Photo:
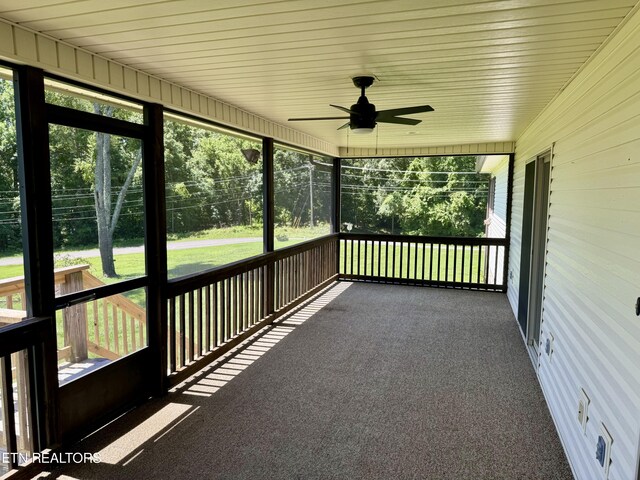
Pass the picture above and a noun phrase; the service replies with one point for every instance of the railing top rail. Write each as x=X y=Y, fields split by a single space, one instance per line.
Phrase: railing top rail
x=381 y=237
x=119 y=301
x=12 y=285
x=71 y=269
x=24 y=334
x=185 y=284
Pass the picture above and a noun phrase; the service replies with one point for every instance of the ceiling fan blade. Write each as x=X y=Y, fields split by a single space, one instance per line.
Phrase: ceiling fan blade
x=317 y=118
x=401 y=121
x=394 y=112
x=344 y=109
x=345 y=125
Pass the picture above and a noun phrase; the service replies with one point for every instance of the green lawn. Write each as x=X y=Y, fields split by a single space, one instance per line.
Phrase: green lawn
x=9 y=271
x=183 y=262
x=187 y=261
x=254 y=231
x=240 y=231
x=180 y=262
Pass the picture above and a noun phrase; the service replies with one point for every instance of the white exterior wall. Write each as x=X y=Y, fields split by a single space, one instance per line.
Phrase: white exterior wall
x=497 y=227
x=593 y=253
x=498 y=218
x=517 y=206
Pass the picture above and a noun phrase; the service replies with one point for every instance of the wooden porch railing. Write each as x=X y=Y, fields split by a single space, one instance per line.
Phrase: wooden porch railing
x=107 y=327
x=15 y=393
x=460 y=262
x=20 y=399
x=117 y=325
x=211 y=312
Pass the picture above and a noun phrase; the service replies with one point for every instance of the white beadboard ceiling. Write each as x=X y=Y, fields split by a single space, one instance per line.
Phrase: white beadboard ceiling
x=487 y=67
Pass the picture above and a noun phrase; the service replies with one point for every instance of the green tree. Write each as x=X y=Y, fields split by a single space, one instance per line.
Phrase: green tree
x=10 y=239
x=392 y=207
x=423 y=196
x=107 y=211
x=227 y=185
x=92 y=174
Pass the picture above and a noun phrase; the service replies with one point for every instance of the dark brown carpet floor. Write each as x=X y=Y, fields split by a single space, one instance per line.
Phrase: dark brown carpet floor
x=383 y=382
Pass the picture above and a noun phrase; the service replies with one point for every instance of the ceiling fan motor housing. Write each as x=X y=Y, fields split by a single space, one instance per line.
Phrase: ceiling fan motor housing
x=364 y=115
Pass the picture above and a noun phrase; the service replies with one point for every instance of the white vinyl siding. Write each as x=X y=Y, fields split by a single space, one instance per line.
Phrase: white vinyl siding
x=517 y=205
x=593 y=256
x=498 y=218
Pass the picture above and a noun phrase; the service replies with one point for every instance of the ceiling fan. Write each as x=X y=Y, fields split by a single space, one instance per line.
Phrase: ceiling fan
x=363 y=116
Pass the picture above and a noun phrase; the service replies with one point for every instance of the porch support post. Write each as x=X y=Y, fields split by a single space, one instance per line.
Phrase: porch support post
x=335 y=196
x=335 y=205
x=37 y=242
x=268 y=195
x=268 y=219
x=505 y=273
x=155 y=243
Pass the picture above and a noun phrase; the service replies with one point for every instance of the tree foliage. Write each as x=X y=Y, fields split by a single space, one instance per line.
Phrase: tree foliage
x=302 y=188
x=9 y=196
x=209 y=182
x=440 y=196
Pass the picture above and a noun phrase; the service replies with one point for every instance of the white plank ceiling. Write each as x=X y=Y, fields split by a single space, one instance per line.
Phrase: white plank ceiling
x=487 y=67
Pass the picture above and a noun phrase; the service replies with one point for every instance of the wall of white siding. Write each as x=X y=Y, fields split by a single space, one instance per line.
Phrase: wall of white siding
x=593 y=253
x=21 y=45
x=517 y=205
x=498 y=219
x=497 y=227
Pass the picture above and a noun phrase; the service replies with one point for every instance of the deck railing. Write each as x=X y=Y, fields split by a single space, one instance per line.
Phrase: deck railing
x=116 y=325
x=211 y=312
x=460 y=262
x=15 y=430
x=107 y=327
x=19 y=397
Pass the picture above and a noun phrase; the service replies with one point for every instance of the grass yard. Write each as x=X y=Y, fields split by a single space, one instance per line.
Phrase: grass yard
x=186 y=261
x=10 y=271
x=241 y=231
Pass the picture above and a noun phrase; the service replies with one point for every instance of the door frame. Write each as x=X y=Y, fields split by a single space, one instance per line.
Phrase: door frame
x=533 y=248
x=93 y=399
x=73 y=409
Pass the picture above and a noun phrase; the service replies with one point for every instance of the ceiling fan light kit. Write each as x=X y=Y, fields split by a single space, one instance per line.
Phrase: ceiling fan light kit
x=362 y=131
x=363 y=116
